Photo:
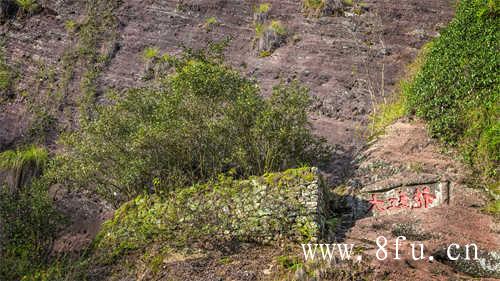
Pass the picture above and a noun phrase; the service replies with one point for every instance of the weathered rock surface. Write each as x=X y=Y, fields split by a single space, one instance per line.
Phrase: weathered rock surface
x=487 y=263
x=406 y=161
x=337 y=57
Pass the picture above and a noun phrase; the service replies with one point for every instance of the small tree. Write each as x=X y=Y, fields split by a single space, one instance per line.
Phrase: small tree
x=204 y=119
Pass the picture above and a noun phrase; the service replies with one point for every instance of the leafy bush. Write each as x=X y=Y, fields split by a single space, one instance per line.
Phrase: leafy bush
x=210 y=23
x=204 y=120
x=150 y=53
x=27 y=6
x=28 y=222
x=458 y=87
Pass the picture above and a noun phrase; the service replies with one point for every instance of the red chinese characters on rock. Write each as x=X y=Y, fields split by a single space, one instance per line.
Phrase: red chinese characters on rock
x=421 y=199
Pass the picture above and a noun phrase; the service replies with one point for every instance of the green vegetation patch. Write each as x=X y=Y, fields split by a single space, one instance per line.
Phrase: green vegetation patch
x=263 y=8
x=457 y=89
x=17 y=159
x=28 y=6
x=204 y=120
x=454 y=85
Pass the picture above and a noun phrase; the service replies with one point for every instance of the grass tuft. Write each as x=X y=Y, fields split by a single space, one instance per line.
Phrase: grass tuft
x=263 y=8
x=17 y=159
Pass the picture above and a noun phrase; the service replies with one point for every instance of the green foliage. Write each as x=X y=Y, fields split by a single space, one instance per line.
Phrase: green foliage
x=204 y=120
x=314 y=4
x=211 y=20
x=17 y=159
x=28 y=6
x=263 y=8
x=264 y=54
x=493 y=208
x=290 y=262
x=70 y=25
x=314 y=7
x=28 y=222
x=150 y=53
x=259 y=29
x=458 y=87
x=274 y=26
x=278 y=27
x=348 y=2
x=388 y=113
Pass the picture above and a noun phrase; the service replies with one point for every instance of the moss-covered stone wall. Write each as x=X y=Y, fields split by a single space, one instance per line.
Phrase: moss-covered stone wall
x=279 y=206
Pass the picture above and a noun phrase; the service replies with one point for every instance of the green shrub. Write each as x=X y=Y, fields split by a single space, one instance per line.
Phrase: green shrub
x=278 y=27
x=263 y=8
x=28 y=222
x=264 y=54
x=150 y=53
x=70 y=25
x=27 y=6
x=314 y=7
x=204 y=120
x=458 y=87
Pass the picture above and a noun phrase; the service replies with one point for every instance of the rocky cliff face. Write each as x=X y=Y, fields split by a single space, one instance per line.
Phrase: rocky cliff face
x=64 y=56
x=70 y=52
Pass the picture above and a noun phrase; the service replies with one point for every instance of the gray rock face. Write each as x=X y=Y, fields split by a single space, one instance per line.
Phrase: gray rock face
x=487 y=265
x=332 y=7
x=395 y=196
x=270 y=40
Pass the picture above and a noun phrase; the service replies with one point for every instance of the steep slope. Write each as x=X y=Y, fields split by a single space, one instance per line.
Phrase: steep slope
x=343 y=59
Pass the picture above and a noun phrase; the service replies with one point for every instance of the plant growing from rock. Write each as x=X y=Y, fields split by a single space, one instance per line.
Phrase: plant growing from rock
x=317 y=8
x=210 y=23
x=270 y=36
x=23 y=164
x=261 y=13
x=70 y=25
x=28 y=6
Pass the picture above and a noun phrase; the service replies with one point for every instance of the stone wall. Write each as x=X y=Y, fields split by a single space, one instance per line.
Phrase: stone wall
x=283 y=206
x=289 y=205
